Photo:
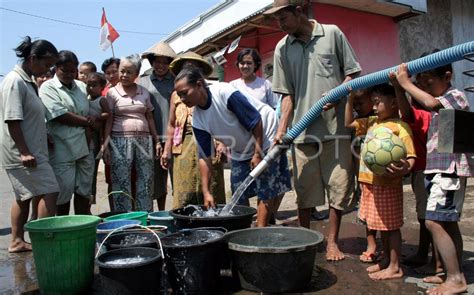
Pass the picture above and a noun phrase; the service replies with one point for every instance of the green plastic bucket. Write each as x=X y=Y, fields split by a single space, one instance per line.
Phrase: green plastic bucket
x=162 y=218
x=139 y=215
x=63 y=250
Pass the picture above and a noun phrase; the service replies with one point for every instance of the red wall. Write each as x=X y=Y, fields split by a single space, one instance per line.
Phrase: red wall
x=374 y=38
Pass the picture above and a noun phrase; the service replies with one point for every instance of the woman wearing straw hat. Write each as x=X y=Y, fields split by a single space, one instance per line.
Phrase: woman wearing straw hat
x=160 y=84
x=181 y=147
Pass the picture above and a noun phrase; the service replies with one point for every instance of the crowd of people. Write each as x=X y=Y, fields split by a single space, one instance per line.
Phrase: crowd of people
x=171 y=122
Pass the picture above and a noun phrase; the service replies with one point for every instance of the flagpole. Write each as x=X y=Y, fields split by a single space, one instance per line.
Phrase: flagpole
x=112 y=47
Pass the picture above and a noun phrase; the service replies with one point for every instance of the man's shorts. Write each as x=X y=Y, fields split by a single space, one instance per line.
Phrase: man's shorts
x=274 y=181
x=74 y=177
x=421 y=195
x=32 y=182
x=446 y=196
x=324 y=167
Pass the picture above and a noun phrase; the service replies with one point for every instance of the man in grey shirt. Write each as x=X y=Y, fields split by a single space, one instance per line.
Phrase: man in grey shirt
x=160 y=83
x=311 y=60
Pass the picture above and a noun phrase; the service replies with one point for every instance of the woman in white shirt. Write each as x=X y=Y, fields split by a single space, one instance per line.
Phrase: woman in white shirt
x=248 y=62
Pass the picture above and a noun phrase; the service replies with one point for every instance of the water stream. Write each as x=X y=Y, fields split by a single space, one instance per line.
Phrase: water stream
x=236 y=196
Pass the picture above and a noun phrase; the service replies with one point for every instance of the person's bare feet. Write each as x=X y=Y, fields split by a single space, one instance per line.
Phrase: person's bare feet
x=379 y=266
x=415 y=260
x=19 y=246
x=436 y=279
x=333 y=253
x=450 y=286
x=388 y=273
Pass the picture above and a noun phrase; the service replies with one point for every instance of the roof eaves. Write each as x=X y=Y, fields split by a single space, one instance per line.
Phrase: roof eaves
x=236 y=24
x=198 y=20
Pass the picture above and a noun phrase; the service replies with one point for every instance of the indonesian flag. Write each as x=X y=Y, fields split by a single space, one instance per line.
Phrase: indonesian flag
x=107 y=33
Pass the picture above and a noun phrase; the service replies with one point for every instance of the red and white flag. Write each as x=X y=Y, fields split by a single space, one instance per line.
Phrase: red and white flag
x=107 y=33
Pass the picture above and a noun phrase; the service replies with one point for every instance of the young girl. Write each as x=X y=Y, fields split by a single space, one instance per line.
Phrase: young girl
x=248 y=62
x=446 y=173
x=381 y=205
x=99 y=109
x=363 y=107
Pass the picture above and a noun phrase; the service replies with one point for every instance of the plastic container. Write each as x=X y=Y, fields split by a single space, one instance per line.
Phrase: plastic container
x=104 y=228
x=138 y=273
x=132 y=238
x=108 y=214
x=192 y=259
x=274 y=259
x=162 y=218
x=139 y=215
x=241 y=218
x=63 y=250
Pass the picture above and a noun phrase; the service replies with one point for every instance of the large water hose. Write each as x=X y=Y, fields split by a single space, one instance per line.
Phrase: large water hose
x=419 y=65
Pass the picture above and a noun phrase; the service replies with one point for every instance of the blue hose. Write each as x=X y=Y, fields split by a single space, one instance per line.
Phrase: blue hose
x=423 y=64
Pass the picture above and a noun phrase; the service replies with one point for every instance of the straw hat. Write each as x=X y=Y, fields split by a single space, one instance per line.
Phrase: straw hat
x=160 y=49
x=280 y=4
x=177 y=63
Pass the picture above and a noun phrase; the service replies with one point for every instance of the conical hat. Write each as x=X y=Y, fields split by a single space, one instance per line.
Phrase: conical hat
x=160 y=49
x=177 y=64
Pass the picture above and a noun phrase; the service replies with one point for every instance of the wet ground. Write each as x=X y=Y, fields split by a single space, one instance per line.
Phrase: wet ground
x=17 y=271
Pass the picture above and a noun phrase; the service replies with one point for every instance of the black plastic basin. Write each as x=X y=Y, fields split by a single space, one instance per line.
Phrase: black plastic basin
x=139 y=277
x=241 y=218
x=274 y=259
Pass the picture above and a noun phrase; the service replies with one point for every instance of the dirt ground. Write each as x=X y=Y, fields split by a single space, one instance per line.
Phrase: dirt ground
x=17 y=271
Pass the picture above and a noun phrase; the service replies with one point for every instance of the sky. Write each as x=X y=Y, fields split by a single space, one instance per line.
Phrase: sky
x=156 y=18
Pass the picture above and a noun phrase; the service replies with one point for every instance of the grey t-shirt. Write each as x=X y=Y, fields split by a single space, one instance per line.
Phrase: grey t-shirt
x=19 y=101
x=307 y=70
x=160 y=91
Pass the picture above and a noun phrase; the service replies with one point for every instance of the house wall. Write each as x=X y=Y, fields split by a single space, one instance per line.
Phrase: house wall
x=447 y=23
x=463 y=31
x=374 y=38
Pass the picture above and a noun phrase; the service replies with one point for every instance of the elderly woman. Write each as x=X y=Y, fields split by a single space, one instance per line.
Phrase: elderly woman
x=160 y=83
x=181 y=146
x=133 y=136
x=65 y=100
x=23 y=148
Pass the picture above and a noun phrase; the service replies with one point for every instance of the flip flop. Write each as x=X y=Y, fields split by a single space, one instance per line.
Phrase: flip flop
x=369 y=257
x=430 y=279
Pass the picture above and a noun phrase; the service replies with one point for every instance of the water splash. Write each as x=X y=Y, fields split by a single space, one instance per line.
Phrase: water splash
x=200 y=212
x=136 y=239
x=126 y=261
x=236 y=196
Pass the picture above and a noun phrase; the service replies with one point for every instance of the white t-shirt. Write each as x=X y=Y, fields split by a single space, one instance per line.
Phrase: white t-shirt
x=260 y=89
x=230 y=117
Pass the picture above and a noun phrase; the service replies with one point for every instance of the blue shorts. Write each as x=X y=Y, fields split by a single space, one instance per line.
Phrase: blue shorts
x=274 y=181
x=445 y=196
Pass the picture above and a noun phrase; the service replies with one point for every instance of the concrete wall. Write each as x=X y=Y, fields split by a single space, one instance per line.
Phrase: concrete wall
x=463 y=31
x=447 y=23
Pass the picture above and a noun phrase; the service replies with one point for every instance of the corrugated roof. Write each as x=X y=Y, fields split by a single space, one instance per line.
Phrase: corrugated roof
x=236 y=24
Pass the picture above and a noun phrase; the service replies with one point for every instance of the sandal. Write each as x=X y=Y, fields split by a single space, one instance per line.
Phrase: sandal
x=369 y=257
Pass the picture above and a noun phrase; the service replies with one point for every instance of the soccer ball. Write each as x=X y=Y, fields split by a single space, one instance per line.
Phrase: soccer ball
x=381 y=148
